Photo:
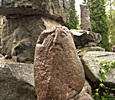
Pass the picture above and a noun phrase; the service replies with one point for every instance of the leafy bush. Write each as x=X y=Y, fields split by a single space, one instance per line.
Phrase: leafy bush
x=103 y=92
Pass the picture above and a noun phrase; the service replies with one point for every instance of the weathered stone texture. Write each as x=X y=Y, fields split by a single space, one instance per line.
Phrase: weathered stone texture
x=26 y=20
x=16 y=88
x=22 y=71
x=56 y=9
x=85 y=17
x=84 y=96
x=59 y=73
x=92 y=66
x=20 y=34
x=83 y=37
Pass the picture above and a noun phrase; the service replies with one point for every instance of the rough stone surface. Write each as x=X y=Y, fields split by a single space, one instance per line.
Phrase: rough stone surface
x=55 y=9
x=91 y=65
x=84 y=96
x=87 y=88
x=92 y=49
x=83 y=37
x=12 y=88
x=22 y=45
x=20 y=34
x=82 y=51
x=85 y=17
x=21 y=71
x=59 y=73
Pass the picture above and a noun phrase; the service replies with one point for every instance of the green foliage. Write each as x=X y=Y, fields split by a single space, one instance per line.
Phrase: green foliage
x=103 y=92
x=99 y=21
x=113 y=29
x=111 y=17
x=72 y=21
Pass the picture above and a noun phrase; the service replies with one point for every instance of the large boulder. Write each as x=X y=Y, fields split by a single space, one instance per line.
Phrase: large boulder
x=26 y=20
x=20 y=34
x=92 y=66
x=15 y=88
x=22 y=71
x=55 y=9
x=59 y=73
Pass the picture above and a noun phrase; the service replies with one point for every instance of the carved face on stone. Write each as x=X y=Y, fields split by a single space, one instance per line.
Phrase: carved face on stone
x=22 y=48
x=55 y=36
x=58 y=70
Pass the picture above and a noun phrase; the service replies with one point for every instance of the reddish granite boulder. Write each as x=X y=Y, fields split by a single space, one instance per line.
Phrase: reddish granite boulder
x=59 y=74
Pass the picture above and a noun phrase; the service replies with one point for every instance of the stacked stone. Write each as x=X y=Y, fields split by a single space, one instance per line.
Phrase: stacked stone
x=86 y=41
x=58 y=71
x=26 y=19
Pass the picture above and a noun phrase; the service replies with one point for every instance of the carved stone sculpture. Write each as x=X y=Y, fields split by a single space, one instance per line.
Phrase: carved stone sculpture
x=59 y=74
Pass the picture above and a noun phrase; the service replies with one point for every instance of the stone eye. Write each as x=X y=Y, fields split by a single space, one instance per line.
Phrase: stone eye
x=63 y=34
x=53 y=34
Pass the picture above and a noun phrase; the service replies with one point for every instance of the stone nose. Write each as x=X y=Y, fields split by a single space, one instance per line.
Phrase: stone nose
x=56 y=37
